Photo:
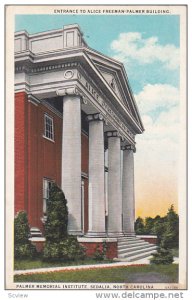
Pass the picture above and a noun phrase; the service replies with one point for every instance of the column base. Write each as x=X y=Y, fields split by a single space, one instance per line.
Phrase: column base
x=115 y=234
x=95 y=234
x=75 y=232
x=129 y=233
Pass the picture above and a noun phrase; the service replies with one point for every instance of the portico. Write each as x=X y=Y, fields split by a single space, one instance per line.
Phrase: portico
x=57 y=70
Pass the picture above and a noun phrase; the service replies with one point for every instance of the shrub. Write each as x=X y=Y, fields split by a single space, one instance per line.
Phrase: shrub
x=139 y=226
x=59 y=246
x=162 y=257
x=67 y=249
x=22 y=246
x=57 y=215
x=170 y=237
x=100 y=254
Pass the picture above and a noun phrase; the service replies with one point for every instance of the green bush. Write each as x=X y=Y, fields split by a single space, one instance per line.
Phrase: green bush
x=67 y=249
x=100 y=254
x=59 y=246
x=57 y=216
x=25 y=251
x=22 y=246
x=139 y=226
x=170 y=237
x=162 y=257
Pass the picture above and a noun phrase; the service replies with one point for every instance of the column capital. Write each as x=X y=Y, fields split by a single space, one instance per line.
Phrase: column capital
x=129 y=147
x=71 y=91
x=95 y=117
x=112 y=133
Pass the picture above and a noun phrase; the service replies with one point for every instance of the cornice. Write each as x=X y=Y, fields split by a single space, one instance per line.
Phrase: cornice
x=33 y=99
x=81 y=56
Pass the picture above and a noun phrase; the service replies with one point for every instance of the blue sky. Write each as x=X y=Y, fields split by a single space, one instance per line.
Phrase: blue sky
x=148 y=45
x=100 y=30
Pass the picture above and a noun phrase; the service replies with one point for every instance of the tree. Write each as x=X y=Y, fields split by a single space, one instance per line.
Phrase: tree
x=159 y=227
x=149 y=224
x=139 y=226
x=22 y=246
x=59 y=245
x=170 y=237
x=57 y=215
x=162 y=257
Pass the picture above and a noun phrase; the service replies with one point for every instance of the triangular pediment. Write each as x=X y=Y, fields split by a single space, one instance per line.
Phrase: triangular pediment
x=114 y=75
x=112 y=80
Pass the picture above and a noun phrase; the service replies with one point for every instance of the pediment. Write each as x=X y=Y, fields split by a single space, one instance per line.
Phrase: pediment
x=113 y=81
x=114 y=75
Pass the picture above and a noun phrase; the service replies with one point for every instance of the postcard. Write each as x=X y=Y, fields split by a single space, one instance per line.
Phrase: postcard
x=96 y=143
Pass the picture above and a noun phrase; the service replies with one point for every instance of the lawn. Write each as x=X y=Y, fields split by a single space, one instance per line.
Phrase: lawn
x=35 y=263
x=128 y=274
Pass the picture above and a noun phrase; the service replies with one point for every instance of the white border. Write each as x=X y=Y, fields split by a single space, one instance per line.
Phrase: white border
x=87 y=295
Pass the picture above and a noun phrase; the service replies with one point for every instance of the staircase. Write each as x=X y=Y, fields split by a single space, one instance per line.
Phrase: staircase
x=131 y=248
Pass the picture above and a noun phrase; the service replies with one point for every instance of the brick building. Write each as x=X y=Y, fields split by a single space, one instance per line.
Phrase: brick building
x=75 y=124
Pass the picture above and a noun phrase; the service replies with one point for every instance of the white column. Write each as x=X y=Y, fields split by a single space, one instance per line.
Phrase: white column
x=114 y=184
x=71 y=161
x=96 y=176
x=128 y=197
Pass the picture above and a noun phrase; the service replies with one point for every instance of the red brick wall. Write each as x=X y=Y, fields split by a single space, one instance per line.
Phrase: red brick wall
x=39 y=246
x=86 y=212
x=84 y=153
x=44 y=159
x=150 y=240
x=91 y=248
x=37 y=157
x=21 y=159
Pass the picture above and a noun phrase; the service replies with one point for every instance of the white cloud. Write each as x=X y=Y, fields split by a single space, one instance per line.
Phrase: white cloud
x=158 y=147
x=157 y=97
x=132 y=46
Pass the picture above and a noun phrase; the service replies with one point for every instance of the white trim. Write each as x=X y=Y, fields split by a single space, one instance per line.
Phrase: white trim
x=83 y=52
x=90 y=205
x=53 y=141
x=147 y=236
x=37 y=239
x=32 y=99
x=96 y=240
x=84 y=133
x=84 y=175
x=83 y=203
x=50 y=118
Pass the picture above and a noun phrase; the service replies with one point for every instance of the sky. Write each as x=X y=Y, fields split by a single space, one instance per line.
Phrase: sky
x=149 y=48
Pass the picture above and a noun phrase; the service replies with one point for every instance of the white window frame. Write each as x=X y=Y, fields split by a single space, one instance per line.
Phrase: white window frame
x=46 y=189
x=48 y=127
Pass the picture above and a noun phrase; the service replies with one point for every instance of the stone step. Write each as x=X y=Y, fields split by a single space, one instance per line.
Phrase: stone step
x=134 y=245
x=130 y=242
x=135 y=248
x=137 y=257
x=125 y=238
x=138 y=252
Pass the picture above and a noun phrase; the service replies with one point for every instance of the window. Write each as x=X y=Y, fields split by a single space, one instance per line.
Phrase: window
x=47 y=183
x=48 y=127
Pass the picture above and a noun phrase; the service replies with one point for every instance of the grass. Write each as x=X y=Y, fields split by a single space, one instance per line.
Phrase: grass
x=128 y=274
x=36 y=263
